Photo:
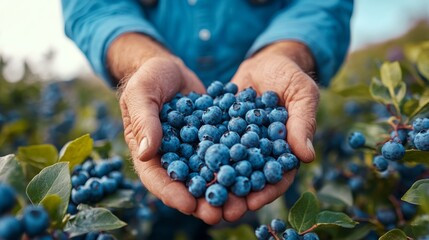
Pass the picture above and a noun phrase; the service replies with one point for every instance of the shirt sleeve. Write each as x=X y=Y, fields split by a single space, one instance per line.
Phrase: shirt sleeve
x=323 y=26
x=94 y=24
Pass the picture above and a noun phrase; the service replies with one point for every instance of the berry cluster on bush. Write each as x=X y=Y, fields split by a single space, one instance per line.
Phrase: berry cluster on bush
x=225 y=140
x=278 y=227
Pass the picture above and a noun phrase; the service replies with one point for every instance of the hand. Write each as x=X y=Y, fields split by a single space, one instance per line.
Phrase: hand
x=282 y=67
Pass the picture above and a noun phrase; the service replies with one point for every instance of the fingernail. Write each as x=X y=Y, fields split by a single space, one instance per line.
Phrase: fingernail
x=310 y=146
x=143 y=147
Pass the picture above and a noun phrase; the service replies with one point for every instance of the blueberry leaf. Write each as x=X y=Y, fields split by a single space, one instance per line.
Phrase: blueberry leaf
x=38 y=156
x=423 y=103
x=52 y=204
x=120 y=199
x=303 y=213
x=77 y=150
x=391 y=75
x=416 y=156
x=394 y=234
x=52 y=180
x=93 y=219
x=11 y=173
x=335 y=193
x=241 y=232
x=423 y=63
x=329 y=218
x=379 y=92
x=418 y=193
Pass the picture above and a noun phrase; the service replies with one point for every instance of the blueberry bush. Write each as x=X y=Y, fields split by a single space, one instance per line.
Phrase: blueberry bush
x=65 y=173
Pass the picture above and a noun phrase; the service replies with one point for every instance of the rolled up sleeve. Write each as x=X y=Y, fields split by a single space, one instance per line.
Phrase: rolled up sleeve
x=94 y=24
x=323 y=26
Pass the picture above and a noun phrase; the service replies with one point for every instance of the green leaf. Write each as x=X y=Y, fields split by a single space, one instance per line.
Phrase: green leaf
x=423 y=103
x=120 y=199
x=394 y=234
x=11 y=173
x=423 y=63
x=419 y=226
x=243 y=231
x=357 y=233
x=418 y=193
x=409 y=106
x=356 y=91
x=52 y=180
x=416 y=156
x=391 y=75
x=336 y=193
x=379 y=92
x=400 y=92
x=39 y=156
x=303 y=213
x=52 y=204
x=93 y=219
x=335 y=218
x=77 y=150
x=276 y=209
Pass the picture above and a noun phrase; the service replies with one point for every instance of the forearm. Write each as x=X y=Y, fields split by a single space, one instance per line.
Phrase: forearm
x=129 y=51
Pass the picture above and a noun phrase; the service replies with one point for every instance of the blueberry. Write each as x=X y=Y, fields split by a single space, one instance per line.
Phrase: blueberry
x=255 y=157
x=202 y=148
x=193 y=96
x=280 y=146
x=209 y=132
x=264 y=132
x=393 y=151
x=241 y=186
x=96 y=189
x=310 y=236
x=35 y=220
x=386 y=216
x=92 y=236
x=88 y=165
x=226 y=101
x=230 y=88
x=222 y=129
x=176 y=119
x=212 y=115
x=170 y=144
x=193 y=120
x=238 y=109
x=276 y=130
x=418 y=124
x=238 y=125
x=254 y=128
x=163 y=115
x=216 y=155
x=230 y=138
x=278 y=114
x=266 y=146
x=198 y=113
x=356 y=183
x=178 y=170
x=10 y=228
x=195 y=163
x=290 y=234
x=116 y=163
x=247 y=95
x=401 y=135
x=238 y=152
x=144 y=213
x=262 y=232
x=356 y=140
x=215 y=89
x=72 y=208
x=380 y=163
x=259 y=103
x=7 y=199
x=168 y=158
x=189 y=177
x=250 y=139
x=216 y=195
x=257 y=180
x=226 y=175
x=408 y=210
x=288 y=161
x=80 y=195
x=168 y=130
x=185 y=106
x=203 y=102
x=197 y=186
x=189 y=134
x=117 y=176
x=278 y=225
x=102 y=168
x=109 y=185
x=273 y=172
x=186 y=150
x=421 y=140
x=270 y=99
x=225 y=118
x=243 y=168
x=256 y=116
x=207 y=174
x=105 y=236
x=411 y=136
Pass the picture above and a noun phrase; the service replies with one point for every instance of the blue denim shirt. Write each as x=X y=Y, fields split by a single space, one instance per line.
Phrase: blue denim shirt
x=213 y=37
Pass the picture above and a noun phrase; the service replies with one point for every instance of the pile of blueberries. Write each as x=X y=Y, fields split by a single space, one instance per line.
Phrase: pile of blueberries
x=278 y=226
x=225 y=140
x=34 y=221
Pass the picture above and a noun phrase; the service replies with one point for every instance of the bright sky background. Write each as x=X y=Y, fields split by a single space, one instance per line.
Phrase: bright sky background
x=30 y=28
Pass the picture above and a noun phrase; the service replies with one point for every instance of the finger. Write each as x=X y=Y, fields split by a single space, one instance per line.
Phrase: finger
x=192 y=83
x=234 y=208
x=256 y=200
x=206 y=212
x=301 y=98
x=145 y=92
x=172 y=193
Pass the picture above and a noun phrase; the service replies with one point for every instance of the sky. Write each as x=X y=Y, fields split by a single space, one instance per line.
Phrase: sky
x=29 y=29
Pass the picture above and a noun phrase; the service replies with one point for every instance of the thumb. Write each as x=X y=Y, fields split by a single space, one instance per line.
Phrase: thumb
x=301 y=98
x=145 y=92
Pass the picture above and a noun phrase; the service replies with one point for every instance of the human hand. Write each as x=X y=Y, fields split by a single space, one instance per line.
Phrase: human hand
x=281 y=67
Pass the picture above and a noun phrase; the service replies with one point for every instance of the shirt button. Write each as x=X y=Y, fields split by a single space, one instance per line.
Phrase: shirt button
x=204 y=34
x=192 y=2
